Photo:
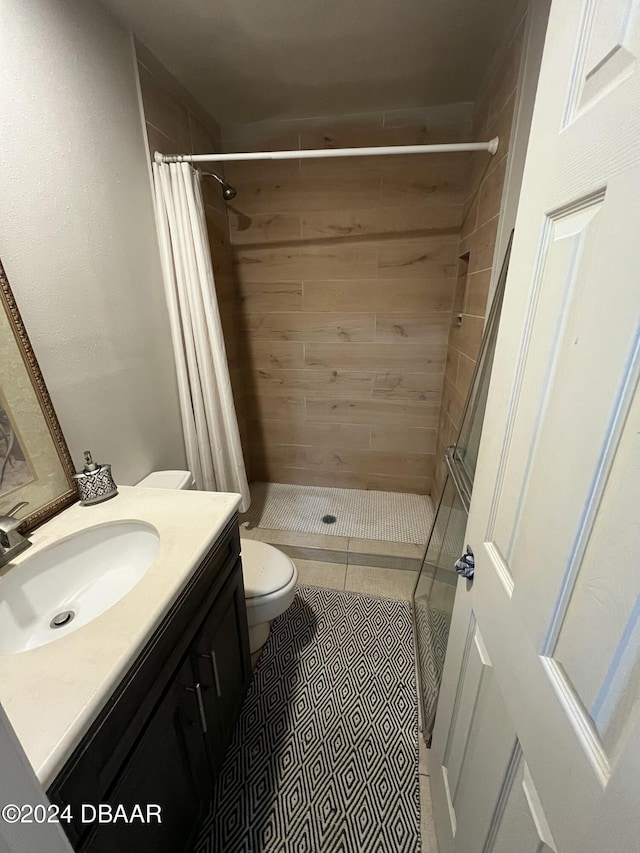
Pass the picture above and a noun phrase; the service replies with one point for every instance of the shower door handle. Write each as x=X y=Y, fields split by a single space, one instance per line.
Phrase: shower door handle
x=464 y=493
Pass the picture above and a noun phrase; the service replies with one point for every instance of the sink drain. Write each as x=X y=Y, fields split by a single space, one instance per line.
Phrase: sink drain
x=61 y=619
x=329 y=519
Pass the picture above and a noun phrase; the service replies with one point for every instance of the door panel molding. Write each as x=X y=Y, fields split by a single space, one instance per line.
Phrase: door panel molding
x=500 y=566
x=606 y=50
x=579 y=718
x=520 y=822
x=610 y=444
x=614 y=705
x=537 y=813
x=569 y=230
x=505 y=793
x=477 y=665
x=518 y=376
x=567 y=234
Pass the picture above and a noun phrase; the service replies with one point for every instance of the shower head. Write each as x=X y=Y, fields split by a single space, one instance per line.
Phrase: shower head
x=228 y=192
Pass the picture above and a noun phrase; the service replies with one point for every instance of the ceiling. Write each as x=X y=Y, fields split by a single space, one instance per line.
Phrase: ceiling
x=251 y=60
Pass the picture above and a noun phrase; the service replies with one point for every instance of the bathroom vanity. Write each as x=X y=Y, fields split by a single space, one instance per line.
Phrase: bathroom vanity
x=137 y=707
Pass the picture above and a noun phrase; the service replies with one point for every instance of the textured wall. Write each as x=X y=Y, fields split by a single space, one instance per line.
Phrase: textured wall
x=78 y=234
x=346 y=275
x=484 y=184
x=176 y=124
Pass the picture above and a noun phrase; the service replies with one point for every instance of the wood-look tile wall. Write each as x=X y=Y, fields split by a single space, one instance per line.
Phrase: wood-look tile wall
x=346 y=275
x=493 y=116
x=177 y=125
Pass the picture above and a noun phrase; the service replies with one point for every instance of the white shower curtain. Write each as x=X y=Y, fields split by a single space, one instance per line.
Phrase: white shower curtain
x=210 y=425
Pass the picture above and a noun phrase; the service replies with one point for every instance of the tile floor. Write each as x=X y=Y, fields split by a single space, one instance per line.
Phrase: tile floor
x=427 y=825
x=340 y=549
x=390 y=516
x=369 y=580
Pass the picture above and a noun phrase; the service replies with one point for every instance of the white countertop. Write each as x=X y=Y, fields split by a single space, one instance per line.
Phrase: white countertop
x=54 y=692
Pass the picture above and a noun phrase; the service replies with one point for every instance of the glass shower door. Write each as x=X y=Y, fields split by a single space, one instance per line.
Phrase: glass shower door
x=435 y=588
x=434 y=595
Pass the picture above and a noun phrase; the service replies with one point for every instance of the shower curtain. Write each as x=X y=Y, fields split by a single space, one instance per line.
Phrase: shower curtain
x=209 y=422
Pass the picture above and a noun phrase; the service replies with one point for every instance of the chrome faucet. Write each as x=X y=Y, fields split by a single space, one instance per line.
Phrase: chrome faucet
x=12 y=543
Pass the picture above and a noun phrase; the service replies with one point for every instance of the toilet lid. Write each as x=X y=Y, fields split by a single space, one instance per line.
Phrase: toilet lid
x=264 y=568
x=167 y=480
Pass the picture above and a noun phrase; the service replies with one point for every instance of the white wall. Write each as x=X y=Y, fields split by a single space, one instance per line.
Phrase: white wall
x=20 y=786
x=77 y=236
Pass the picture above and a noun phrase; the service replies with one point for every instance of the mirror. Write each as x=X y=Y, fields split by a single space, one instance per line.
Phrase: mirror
x=35 y=464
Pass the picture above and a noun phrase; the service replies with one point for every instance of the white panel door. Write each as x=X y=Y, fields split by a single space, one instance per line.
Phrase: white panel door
x=537 y=739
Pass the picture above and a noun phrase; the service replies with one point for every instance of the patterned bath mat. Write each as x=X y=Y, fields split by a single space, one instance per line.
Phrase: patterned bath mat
x=324 y=758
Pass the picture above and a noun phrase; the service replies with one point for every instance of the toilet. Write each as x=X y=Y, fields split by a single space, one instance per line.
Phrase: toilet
x=270 y=580
x=270 y=577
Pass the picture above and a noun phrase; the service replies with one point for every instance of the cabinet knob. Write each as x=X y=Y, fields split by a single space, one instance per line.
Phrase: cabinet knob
x=203 y=720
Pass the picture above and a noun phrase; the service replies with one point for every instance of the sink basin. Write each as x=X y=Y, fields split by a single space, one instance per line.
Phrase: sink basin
x=68 y=584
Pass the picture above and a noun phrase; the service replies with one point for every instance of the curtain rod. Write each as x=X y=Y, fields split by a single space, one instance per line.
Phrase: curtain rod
x=303 y=154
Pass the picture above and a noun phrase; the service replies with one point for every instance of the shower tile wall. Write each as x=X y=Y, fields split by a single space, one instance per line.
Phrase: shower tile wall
x=484 y=182
x=346 y=273
x=176 y=124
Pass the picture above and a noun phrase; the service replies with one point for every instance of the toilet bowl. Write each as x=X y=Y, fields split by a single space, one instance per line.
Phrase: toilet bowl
x=270 y=577
x=270 y=580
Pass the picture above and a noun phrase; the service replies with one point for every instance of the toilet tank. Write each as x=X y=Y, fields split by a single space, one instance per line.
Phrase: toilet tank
x=168 y=480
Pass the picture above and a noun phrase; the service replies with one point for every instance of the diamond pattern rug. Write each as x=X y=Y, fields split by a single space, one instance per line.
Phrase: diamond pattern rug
x=324 y=757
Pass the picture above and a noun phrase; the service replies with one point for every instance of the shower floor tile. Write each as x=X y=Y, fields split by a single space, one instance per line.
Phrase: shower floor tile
x=386 y=516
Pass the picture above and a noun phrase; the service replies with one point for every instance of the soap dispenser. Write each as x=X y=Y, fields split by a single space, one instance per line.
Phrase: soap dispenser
x=95 y=483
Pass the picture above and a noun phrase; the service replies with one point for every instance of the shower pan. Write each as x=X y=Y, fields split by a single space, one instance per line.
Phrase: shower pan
x=435 y=588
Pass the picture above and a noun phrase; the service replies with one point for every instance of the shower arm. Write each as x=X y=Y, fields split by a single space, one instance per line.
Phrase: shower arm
x=376 y=151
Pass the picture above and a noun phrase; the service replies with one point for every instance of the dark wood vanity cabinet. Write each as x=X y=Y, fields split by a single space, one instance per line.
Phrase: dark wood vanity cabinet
x=162 y=737
x=222 y=667
x=168 y=767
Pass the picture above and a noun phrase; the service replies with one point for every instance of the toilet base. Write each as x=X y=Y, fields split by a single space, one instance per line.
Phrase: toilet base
x=258 y=635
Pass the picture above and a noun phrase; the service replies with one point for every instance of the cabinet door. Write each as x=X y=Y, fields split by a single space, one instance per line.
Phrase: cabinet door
x=168 y=768
x=222 y=663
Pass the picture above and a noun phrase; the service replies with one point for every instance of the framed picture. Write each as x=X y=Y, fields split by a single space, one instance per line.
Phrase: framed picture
x=35 y=465
x=15 y=470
